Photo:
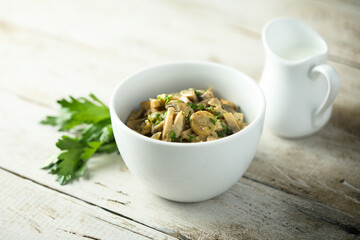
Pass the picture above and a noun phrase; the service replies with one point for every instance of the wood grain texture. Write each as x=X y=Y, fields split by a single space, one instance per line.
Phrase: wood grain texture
x=58 y=67
x=250 y=209
x=30 y=211
x=50 y=50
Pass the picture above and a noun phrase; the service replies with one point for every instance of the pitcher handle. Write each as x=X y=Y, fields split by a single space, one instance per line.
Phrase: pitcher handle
x=333 y=84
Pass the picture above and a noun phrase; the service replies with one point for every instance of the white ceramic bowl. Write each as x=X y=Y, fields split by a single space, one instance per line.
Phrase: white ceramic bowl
x=188 y=172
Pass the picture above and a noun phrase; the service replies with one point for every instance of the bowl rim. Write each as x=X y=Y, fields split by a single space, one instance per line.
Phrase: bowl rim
x=247 y=78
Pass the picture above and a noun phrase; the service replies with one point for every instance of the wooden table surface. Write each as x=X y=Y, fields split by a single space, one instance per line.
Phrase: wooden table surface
x=294 y=189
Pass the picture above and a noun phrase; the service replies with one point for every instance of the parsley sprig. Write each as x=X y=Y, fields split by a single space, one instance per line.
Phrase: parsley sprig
x=88 y=121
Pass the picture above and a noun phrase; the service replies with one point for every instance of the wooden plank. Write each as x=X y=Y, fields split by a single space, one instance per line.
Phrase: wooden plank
x=317 y=167
x=323 y=162
x=248 y=210
x=337 y=21
x=45 y=61
x=139 y=28
x=30 y=211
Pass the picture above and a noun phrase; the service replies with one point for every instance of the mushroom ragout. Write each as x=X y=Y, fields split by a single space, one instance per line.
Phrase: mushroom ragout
x=191 y=115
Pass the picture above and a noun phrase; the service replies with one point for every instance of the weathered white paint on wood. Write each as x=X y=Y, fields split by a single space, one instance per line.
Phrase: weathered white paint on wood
x=30 y=211
x=135 y=28
x=52 y=68
x=52 y=49
x=236 y=214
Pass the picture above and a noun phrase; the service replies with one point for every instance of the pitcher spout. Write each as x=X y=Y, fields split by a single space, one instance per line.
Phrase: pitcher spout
x=291 y=41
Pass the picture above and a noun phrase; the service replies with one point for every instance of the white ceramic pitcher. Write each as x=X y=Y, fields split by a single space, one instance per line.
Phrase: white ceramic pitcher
x=299 y=87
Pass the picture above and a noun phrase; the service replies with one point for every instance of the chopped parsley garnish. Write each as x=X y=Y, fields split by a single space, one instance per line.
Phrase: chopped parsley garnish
x=157 y=115
x=187 y=119
x=220 y=133
x=213 y=121
x=160 y=118
x=167 y=99
x=238 y=108
x=226 y=129
x=212 y=109
x=172 y=136
x=196 y=107
x=153 y=118
x=197 y=93
x=192 y=138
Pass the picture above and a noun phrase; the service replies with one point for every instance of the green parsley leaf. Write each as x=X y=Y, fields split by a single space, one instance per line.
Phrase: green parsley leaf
x=187 y=119
x=89 y=121
x=196 y=107
x=225 y=129
x=161 y=118
x=192 y=138
x=197 y=93
x=220 y=133
x=213 y=121
x=172 y=136
x=78 y=111
x=210 y=108
x=167 y=99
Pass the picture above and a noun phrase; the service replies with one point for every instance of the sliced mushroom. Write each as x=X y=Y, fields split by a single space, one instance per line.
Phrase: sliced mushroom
x=228 y=108
x=179 y=123
x=214 y=102
x=214 y=134
x=204 y=102
x=185 y=134
x=135 y=123
x=179 y=106
x=207 y=94
x=155 y=104
x=218 y=126
x=211 y=138
x=190 y=94
x=199 y=92
x=157 y=127
x=200 y=138
x=190 y=115
x=144 y=107
x=231 y=122
x=229 y=103
x=145 y=127
x=168 y=123
x=239 y=117
x=161 y=97
x=184 y=99
x=201 y=124
x=156 y=135
x=133 y=115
